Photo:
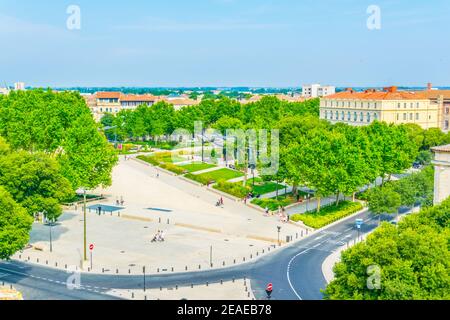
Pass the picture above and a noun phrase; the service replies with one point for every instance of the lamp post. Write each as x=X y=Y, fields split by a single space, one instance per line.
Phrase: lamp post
x=51 y=242
x=82 y=191
x=279 y=230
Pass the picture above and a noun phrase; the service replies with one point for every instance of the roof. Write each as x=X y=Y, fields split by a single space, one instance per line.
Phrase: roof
x=182 y=101
x=108 y=95
x=445 y=148
x=389 y=94
x=138 y=98
x=434 y=94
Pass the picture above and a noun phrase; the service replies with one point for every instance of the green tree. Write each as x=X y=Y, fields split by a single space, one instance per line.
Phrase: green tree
x=15 y=225
x=35 y=181
x=413 y=259
x=384 y=201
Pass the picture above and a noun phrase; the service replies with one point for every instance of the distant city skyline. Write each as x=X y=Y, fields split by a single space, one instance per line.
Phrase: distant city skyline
x=224 y=43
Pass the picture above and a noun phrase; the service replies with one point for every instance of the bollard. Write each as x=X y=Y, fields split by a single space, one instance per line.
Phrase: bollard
x=157 y=270
x=263 y=250
x=176 y=287
x=223 y=264
x=221 y=281
x=103 y=270
x=56 y=264
x=132 y=295
x=37 y=260
x=145 y=298
x=257 y=253
x=185 y=268
x=248 y=294
x=233 y=279
x=129 y=271
x=207 y=283
x=160 y=288
x=117 y=270
x=159 y=220
x=172 y=269
x=243 y=259
x=46 y=262
x=296 y=235
x=20 y=256
x=199 y=267
x=28 y=258
x=89 y=269
x=192 y=286
x=234 y=261
x=168 y=222
x=251 y=256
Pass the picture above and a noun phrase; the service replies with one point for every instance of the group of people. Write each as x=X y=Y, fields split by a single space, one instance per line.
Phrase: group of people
x=219 y=202
x=120 y=202
x=159 y=236
x=283 y=217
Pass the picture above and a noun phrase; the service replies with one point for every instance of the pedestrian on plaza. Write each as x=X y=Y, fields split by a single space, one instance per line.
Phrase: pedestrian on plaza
x=221 y=201
x=121 y=201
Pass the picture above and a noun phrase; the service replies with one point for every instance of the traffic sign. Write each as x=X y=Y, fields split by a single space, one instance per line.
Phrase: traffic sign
x=269 y=287
x=359 y=223
x=91 y=247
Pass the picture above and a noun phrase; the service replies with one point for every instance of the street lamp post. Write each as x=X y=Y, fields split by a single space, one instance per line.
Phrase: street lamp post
x=51 y=243
x=83 y=192
x=279 y=230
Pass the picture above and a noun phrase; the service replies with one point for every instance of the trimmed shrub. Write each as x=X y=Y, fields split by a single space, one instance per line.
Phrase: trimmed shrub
x=328 y=214
x=203 y=179
x=235 y=189
x=172 y=168
x=272 y=204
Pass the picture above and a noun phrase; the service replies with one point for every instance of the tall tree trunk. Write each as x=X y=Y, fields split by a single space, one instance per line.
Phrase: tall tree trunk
x=337 y=198
x=318 y=204
x=294 y=189
x=354 y=196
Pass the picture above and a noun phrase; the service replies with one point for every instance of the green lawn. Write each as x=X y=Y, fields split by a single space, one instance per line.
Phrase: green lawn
x=281 y=201
x=221 y=174
x=264 y=187
x=197 y=166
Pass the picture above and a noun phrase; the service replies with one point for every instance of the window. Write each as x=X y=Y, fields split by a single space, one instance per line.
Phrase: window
x=343 y=116
x=417 y=116
x=398 y=106
x=404 y=105
x=412 y=105
x=411 y=116
x=337 y=115
x=446 y=125
x=398 y=116
x=418 y=105
x=361 y=117
x=355 y=116
x=331 y=115
x=349 y=116
x=404 y=116
x=326 y=114
x=368 y=116
x=375 y=116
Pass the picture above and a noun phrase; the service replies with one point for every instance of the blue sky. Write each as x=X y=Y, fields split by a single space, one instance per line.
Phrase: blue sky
x=225 y=43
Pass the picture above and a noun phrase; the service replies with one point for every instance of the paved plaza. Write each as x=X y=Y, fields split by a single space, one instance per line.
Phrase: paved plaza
x=186 y=213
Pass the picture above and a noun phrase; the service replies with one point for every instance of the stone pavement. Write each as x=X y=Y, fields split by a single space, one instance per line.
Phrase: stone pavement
x=237 y=290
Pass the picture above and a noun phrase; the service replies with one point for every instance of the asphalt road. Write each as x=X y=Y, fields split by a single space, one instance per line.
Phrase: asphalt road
x=295 y=271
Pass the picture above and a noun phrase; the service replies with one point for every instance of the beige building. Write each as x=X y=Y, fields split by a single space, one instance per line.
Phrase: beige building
x=389 y=105
x=442 y=99
x=442 y=173
x=113 y=102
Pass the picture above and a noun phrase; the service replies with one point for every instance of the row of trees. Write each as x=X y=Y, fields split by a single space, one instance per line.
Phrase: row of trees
x=49 y=147
x=340 y=159
x=404 y=262
x=161 y=119
x=407 y=192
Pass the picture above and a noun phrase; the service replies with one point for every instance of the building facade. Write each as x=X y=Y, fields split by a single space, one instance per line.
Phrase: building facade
x=113 y=102
x=442 y=173
x=389 y=105
x=442 y=99
x=317 y=91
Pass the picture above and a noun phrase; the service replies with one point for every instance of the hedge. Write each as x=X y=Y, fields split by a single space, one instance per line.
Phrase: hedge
x=328 y=214
x=234 y=189
x=167 y=166
x=203 y=179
